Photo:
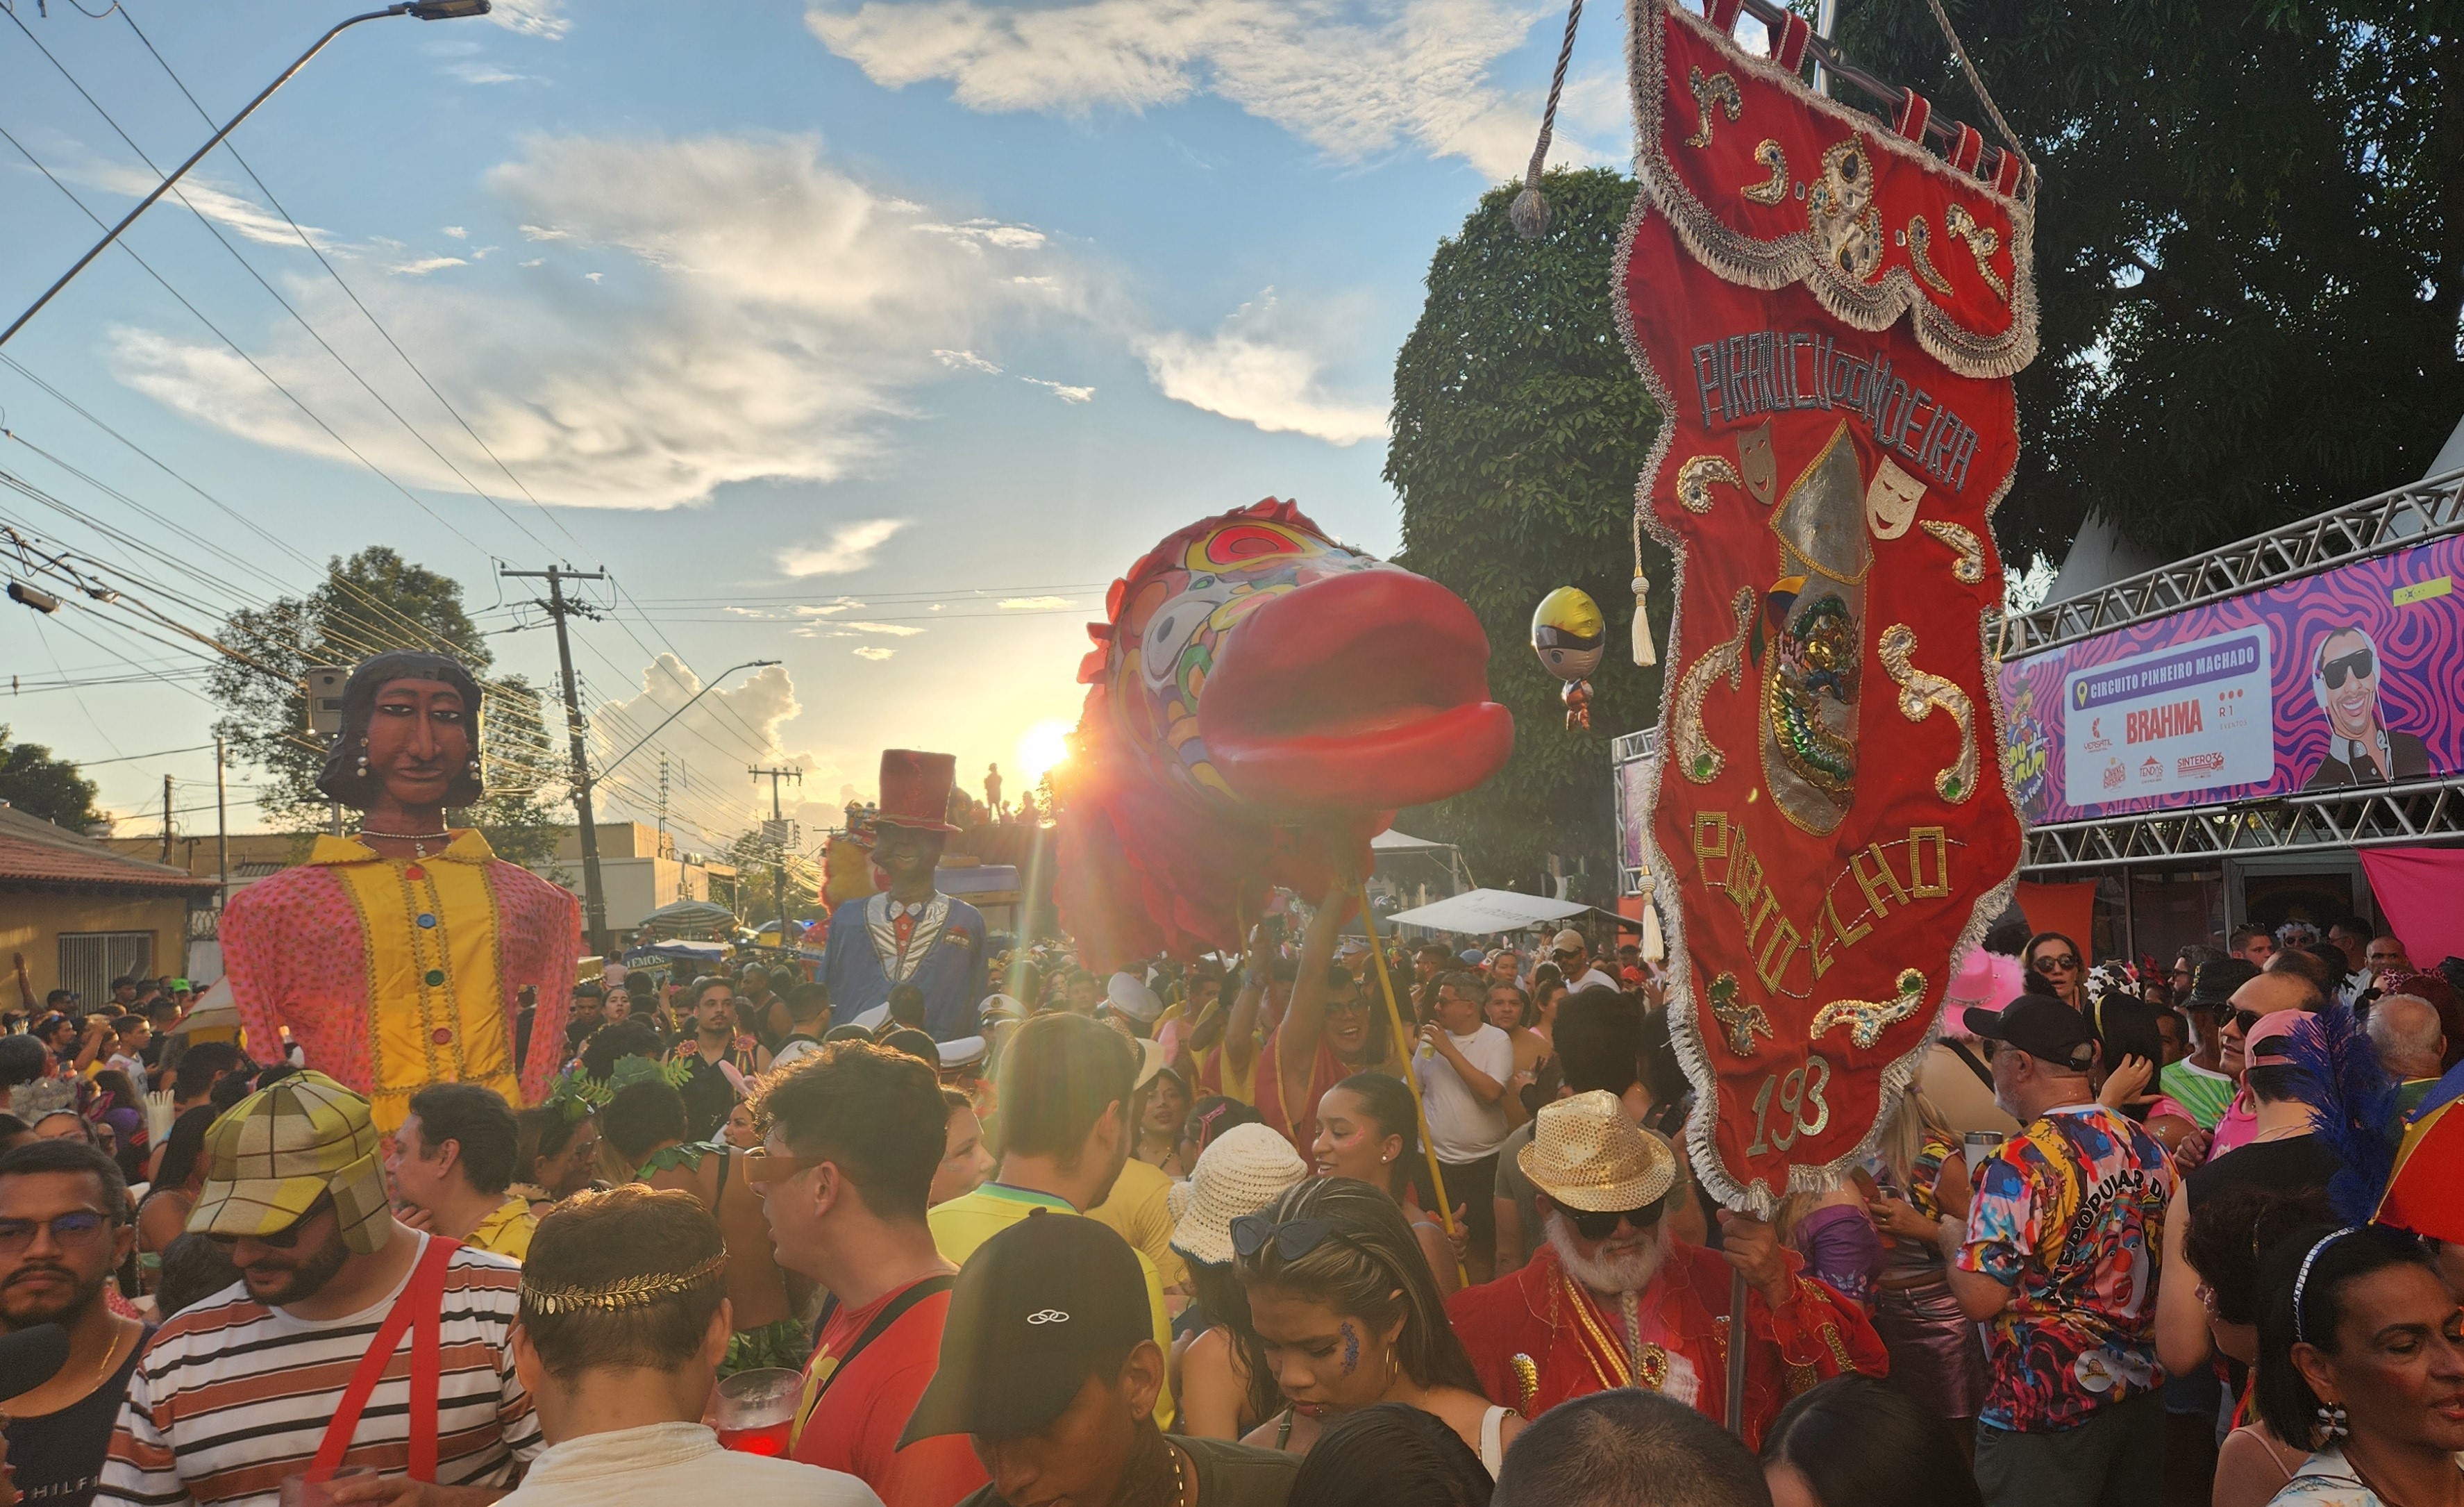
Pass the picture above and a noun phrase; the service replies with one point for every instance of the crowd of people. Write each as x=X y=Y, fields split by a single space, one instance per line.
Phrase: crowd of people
x=1357 y=1228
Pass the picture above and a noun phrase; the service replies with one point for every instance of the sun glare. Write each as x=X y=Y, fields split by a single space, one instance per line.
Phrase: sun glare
x=1045 y=745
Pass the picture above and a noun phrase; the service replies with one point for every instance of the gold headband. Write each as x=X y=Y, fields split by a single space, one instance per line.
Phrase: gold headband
x=633 y=1292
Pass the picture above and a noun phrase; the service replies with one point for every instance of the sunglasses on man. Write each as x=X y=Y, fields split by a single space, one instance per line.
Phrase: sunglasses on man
x=1592 y=1226
x=286 y=1238
x=2358 y=663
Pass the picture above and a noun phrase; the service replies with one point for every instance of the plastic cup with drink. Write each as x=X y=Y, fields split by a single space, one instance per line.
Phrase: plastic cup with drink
x=758 y=1408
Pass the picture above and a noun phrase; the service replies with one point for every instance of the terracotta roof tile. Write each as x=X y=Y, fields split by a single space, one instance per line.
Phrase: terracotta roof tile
x=34 y=851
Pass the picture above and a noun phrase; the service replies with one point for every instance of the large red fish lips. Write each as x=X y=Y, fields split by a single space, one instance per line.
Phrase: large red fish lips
x=1363 y=691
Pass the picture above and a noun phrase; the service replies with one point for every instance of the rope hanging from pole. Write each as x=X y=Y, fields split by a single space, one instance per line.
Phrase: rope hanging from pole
x=1531 y=212
x=1411 y=1079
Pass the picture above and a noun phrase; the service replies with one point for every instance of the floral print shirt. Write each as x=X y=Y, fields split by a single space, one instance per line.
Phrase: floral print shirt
x=2069 y=1215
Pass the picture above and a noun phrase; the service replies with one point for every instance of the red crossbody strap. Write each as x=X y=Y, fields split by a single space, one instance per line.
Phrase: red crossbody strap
x=421 y=1301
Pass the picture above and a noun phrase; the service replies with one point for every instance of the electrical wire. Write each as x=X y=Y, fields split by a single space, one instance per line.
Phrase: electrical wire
x=348 y=291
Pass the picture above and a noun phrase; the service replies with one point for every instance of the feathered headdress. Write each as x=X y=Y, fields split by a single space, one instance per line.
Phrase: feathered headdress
x=2353 y=1101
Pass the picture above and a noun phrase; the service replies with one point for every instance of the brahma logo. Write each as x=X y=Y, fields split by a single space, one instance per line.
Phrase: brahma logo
x=2209 y=762
x=2179 y=719
x=2150 y=771
x=2113 y=773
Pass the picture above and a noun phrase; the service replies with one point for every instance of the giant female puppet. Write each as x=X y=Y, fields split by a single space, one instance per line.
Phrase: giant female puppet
x=398 y=958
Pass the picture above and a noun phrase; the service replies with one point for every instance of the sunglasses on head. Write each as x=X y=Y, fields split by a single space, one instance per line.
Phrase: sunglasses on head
x=1293 y=1239
x=1599 y=1226
x=2357 y=663
x=287 y=1237
x=2052 y=960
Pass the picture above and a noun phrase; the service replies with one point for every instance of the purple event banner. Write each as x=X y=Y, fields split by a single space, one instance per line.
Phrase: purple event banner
x=2351 y=676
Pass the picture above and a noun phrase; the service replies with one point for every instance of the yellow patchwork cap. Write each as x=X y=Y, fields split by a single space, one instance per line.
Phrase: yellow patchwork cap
x=274 y=1153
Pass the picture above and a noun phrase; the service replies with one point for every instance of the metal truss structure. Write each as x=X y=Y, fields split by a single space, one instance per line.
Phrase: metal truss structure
x=2327 y=819
x=1626 y=749
x=2407 y=516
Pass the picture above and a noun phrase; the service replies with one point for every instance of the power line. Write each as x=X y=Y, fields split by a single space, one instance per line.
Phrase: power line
x=318 y=253
x=236 y=349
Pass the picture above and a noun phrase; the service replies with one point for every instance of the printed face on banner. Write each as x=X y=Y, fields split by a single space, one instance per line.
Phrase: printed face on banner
x=1830 y=319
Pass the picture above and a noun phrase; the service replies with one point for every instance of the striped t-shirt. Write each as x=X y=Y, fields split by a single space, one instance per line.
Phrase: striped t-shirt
x=2205 y=1094
x=232 y=1396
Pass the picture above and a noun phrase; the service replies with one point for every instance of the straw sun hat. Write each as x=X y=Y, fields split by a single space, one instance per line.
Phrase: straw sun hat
x=1586 y=1155
x=1241 y=1172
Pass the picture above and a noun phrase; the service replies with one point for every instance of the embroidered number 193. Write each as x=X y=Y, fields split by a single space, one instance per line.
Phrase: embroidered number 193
x=1802 y=1109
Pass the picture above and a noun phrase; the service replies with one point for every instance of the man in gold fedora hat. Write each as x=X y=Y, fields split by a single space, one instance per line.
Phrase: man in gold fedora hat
x=1613 y=1299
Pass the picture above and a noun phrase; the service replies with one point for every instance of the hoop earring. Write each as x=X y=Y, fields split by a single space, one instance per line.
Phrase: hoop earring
x=2332 y=1421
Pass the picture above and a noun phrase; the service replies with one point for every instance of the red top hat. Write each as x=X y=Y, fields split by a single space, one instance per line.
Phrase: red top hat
x=916 y=788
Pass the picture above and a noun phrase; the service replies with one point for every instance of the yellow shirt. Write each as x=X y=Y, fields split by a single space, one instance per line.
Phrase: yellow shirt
x=507 y=1231
x=1140 y=1209
x=969 y=1220
x=438 y=1016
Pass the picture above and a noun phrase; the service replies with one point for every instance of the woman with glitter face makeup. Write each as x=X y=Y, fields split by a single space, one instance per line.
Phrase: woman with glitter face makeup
x=1346 y=1318
x=1368 y=1130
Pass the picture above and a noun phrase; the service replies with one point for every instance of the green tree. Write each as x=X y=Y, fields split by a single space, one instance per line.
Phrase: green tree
x=2250 y=250
x=373 y=601
x=1520 y=430
x=37 y=783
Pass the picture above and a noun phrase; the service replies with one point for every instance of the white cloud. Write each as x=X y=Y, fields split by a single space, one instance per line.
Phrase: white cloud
x=457 y=232
x=481 y=73
x=850 y=549
x=872 y=651
x=779 y=315
x=1063 y=392
x=535 y=261
x=1032 y=603
x=965 y=361
x=209 y=199
x=592 y=276
x=711 y=745
x=532 y=17
x=1351 y=77
x=892 y=629
x=425 y=265
x=1263 y=367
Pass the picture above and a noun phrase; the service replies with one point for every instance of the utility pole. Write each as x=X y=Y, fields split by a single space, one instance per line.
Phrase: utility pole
x=663 y=793
x=167 y=820
x=778 y=832
x=594 y=898
x=222 y=835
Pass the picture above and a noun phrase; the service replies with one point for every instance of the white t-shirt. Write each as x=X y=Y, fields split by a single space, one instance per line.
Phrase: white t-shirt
x=1461 y=1128
x=1592 y=979
x=659 y=1463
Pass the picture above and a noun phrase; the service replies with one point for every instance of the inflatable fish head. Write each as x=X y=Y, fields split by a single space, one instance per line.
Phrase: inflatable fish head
x=1260 y=699
x=1252 y=661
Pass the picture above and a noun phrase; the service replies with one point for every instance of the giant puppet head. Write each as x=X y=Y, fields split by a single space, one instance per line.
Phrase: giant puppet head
x=1260 y=699
x=410 y=727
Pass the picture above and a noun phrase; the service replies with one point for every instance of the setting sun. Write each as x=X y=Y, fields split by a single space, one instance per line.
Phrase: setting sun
x=1045 y=745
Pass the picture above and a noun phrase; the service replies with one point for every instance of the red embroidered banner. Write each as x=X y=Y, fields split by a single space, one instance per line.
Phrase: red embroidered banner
x=1829 y=316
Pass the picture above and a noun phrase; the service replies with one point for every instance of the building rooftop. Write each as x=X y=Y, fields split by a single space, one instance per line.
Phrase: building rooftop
x=36 y=854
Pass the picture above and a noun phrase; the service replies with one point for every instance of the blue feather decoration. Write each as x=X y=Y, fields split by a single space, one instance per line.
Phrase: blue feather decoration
x=2354 y=1100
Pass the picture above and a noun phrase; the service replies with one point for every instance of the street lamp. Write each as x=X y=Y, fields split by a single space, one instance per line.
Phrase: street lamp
x=423 y=9
x=607 y=769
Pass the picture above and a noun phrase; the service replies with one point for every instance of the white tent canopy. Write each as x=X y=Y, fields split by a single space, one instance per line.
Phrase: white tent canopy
x=1392 y=841
x=1488 y=913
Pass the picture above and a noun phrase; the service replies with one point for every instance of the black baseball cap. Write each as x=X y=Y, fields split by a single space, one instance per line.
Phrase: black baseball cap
x=2213 y=985
x=1037 y=1309
x=2041 y=1026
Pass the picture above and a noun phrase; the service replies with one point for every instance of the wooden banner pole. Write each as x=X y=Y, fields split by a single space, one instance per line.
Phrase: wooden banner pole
x=1410 y=1078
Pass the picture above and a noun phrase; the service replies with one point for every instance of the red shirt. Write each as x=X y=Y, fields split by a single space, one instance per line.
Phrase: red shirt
x=855 y=1426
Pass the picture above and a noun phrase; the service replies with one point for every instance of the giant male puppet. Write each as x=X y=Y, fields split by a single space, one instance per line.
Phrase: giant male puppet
x=397 y=957
x=909 y=933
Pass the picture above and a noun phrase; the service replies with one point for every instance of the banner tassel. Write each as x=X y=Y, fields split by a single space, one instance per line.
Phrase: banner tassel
x=1645 y=652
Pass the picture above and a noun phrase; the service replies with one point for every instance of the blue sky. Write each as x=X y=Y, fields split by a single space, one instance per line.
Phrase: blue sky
x=871 y=337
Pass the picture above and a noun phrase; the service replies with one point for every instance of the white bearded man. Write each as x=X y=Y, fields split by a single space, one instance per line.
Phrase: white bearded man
x=1614 y=1299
